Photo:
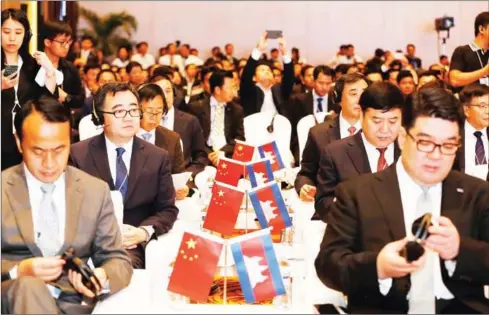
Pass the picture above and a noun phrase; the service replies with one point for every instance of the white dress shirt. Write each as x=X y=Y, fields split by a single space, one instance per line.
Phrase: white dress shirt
x=344 y=125
x=146 y=61
x=177 y=61
x=315 y=103
x=479 y=171
x=373 y=154
x=112 y=156
x=119 y=63
x=410 y=191
x=151 y=139
x=168 y=121
x=84 y=54
x=213 y=140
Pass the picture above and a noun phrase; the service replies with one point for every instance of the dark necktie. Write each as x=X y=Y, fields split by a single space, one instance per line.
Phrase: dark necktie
x=121 y=173
x=480 y=155
x=352 y=130
x=320 y=104
x=381 y=163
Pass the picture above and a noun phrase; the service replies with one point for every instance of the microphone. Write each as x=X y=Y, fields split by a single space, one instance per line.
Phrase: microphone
x=270 y=127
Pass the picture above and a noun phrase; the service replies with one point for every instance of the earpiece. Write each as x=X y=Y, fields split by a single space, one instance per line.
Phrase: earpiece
x=338 y=90
x=97 y=121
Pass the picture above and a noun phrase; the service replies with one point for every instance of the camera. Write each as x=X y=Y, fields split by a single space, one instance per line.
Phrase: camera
x=444 y=23
x=74 y=263
x=414 y=248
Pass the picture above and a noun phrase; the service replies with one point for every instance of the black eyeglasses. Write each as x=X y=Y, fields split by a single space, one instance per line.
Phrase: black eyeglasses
x=63 y=43
x=481 y=106
x=122 y=113
x=427 y=146
x=153 y=114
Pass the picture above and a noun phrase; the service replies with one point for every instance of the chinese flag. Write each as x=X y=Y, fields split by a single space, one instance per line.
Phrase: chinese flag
x=223 y=209
x=243 y=152
x=229 y=171
x=195 y=266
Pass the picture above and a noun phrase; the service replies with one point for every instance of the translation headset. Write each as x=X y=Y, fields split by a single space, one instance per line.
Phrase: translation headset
x=339 y=86
x=414 y=248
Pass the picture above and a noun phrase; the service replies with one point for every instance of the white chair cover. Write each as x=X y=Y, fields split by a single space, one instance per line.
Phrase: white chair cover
x=87 y=128
x=303 y=127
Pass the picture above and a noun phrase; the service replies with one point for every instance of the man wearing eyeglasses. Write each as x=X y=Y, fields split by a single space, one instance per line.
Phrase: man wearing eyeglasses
x=473 y=156
x=371 y=222
x=140 y=171
x=57 y=39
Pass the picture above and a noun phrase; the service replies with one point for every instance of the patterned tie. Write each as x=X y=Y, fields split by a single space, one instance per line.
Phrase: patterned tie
x=48 y=223
x=320 y=104
x=121 y=173
x=480 y=155
x=422 y=293
x=352 y=130
x=146 y=136
x=217 y=124
x=382 y=162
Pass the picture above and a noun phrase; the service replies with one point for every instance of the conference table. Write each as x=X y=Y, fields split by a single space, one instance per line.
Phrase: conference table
x=147 y=292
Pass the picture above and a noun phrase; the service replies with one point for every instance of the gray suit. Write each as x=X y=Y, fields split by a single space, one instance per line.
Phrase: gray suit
x=93 y=234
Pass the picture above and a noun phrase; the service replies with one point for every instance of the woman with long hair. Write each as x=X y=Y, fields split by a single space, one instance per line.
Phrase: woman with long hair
x=19 y=71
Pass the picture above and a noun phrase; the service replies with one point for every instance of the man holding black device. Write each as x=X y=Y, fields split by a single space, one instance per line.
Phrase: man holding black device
x=371 y=217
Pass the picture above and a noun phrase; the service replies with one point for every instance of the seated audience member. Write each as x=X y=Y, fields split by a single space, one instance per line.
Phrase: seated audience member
x=140 y=171
x=392 y=76
x=87 y=54
x=135 y=74
x=221 y=119
x=45 y=211
x=444 y=61
x=427 y=77
x=187 y=126
x=172 y=58
x=405 y=81
x=371 y=222
x=414 y=61
x=192 y=82
x=306 y=80
x=179 y=94
x=473 y=155
x=103 y=77
x=205 y=75
x=153 y=105
x=90 y=72
x=369 y=151
x=374 y=75
x=277 y=75
x=258 y=93
x=122 y=57
x=348 y=122
x=142 y=56
x=375 y=64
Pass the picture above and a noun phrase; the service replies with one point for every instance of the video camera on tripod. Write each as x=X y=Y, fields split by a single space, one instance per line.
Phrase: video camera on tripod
x=443 y=24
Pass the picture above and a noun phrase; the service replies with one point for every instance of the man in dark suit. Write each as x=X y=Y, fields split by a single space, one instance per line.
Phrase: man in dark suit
x=257 y=91
x=45 y=211
x=473 y=155
x=140 y=171
x=86 y=55
x=220 y=118
x=371 y=222
x=346 y=93
x=153 y=105
x=187 y=126
x=369 y=151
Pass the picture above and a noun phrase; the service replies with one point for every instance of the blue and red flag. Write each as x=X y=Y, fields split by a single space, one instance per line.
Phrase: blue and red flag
x=257 y=266
x=270 y=207
x=270 y=150
x=260 y=172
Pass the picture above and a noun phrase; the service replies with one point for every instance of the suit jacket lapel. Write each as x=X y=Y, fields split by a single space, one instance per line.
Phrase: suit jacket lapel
x=138 y=160
x=387 y=192
x=228 y=121
x=160 y=140
x=98 y=150
x=207 y=119
x=74 y=198
x=358 y=155
x=397 y=151
x=21 y=208
x=452 y=199
x=309 y=104
x=335 y=128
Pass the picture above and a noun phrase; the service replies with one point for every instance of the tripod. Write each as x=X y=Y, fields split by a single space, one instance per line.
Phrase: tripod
x=442 y=45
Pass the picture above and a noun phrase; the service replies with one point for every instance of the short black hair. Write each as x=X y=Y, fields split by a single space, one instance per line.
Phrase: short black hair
x=482 y=19
x=218 y=77
x=379 y=52
x=431 y=101
x=149 y=91
x=165 y=71
x=471 y=91
x=327 y=71
x=111 y=88
x=89 y=66
x=305 y=68
x=443 y=57
x=106 y=71
x=87 y=37
x=140 y=44
x=370 y=70
x=264 y=63
x=404 y=74
x=382 y=96
x=51 y=110
x=411 y=45
x=207 y=70
x=51 y=29
x=131 y=65
x=342 y=68
x=273 y=50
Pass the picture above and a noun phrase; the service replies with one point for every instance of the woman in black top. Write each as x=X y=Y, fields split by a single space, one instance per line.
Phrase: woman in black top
x=20 y=86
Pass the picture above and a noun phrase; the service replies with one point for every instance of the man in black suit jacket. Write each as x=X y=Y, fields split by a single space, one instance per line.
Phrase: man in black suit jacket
x=220 y=131
x=257 y=91
x=140 y=171
x=475 y=134
x=368 y=151
x=346 y=93
x=368 y=223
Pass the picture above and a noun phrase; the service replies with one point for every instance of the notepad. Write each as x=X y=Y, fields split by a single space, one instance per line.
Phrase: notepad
x=180 y=180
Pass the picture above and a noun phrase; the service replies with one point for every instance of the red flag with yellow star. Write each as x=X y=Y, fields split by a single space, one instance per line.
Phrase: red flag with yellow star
x=195 y=265
x=223 y=209
x=243 y=151
x=229 y=171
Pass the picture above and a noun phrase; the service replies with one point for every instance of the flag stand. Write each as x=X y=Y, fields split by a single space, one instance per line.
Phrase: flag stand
x=225 y=297
x=246 y=201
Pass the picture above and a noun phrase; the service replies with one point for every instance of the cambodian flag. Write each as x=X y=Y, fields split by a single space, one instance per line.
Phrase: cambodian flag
x=270 y=207
x=270 y=150
x=257 y=266
x=260 y=172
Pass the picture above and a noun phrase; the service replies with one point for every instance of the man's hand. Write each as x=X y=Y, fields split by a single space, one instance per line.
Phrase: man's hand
x=390 y=263
x=214 y=157
x=62 y=95
x=182 y=193
x=262 y=43
x=282 y=45
x=76 y=281
x=44 y=268
x=43 y=61
x=444 y=239
x=132 y=236
x=10 y=81
x=307 y=193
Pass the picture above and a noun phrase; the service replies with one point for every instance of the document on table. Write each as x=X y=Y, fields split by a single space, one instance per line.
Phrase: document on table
x=180 y=180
